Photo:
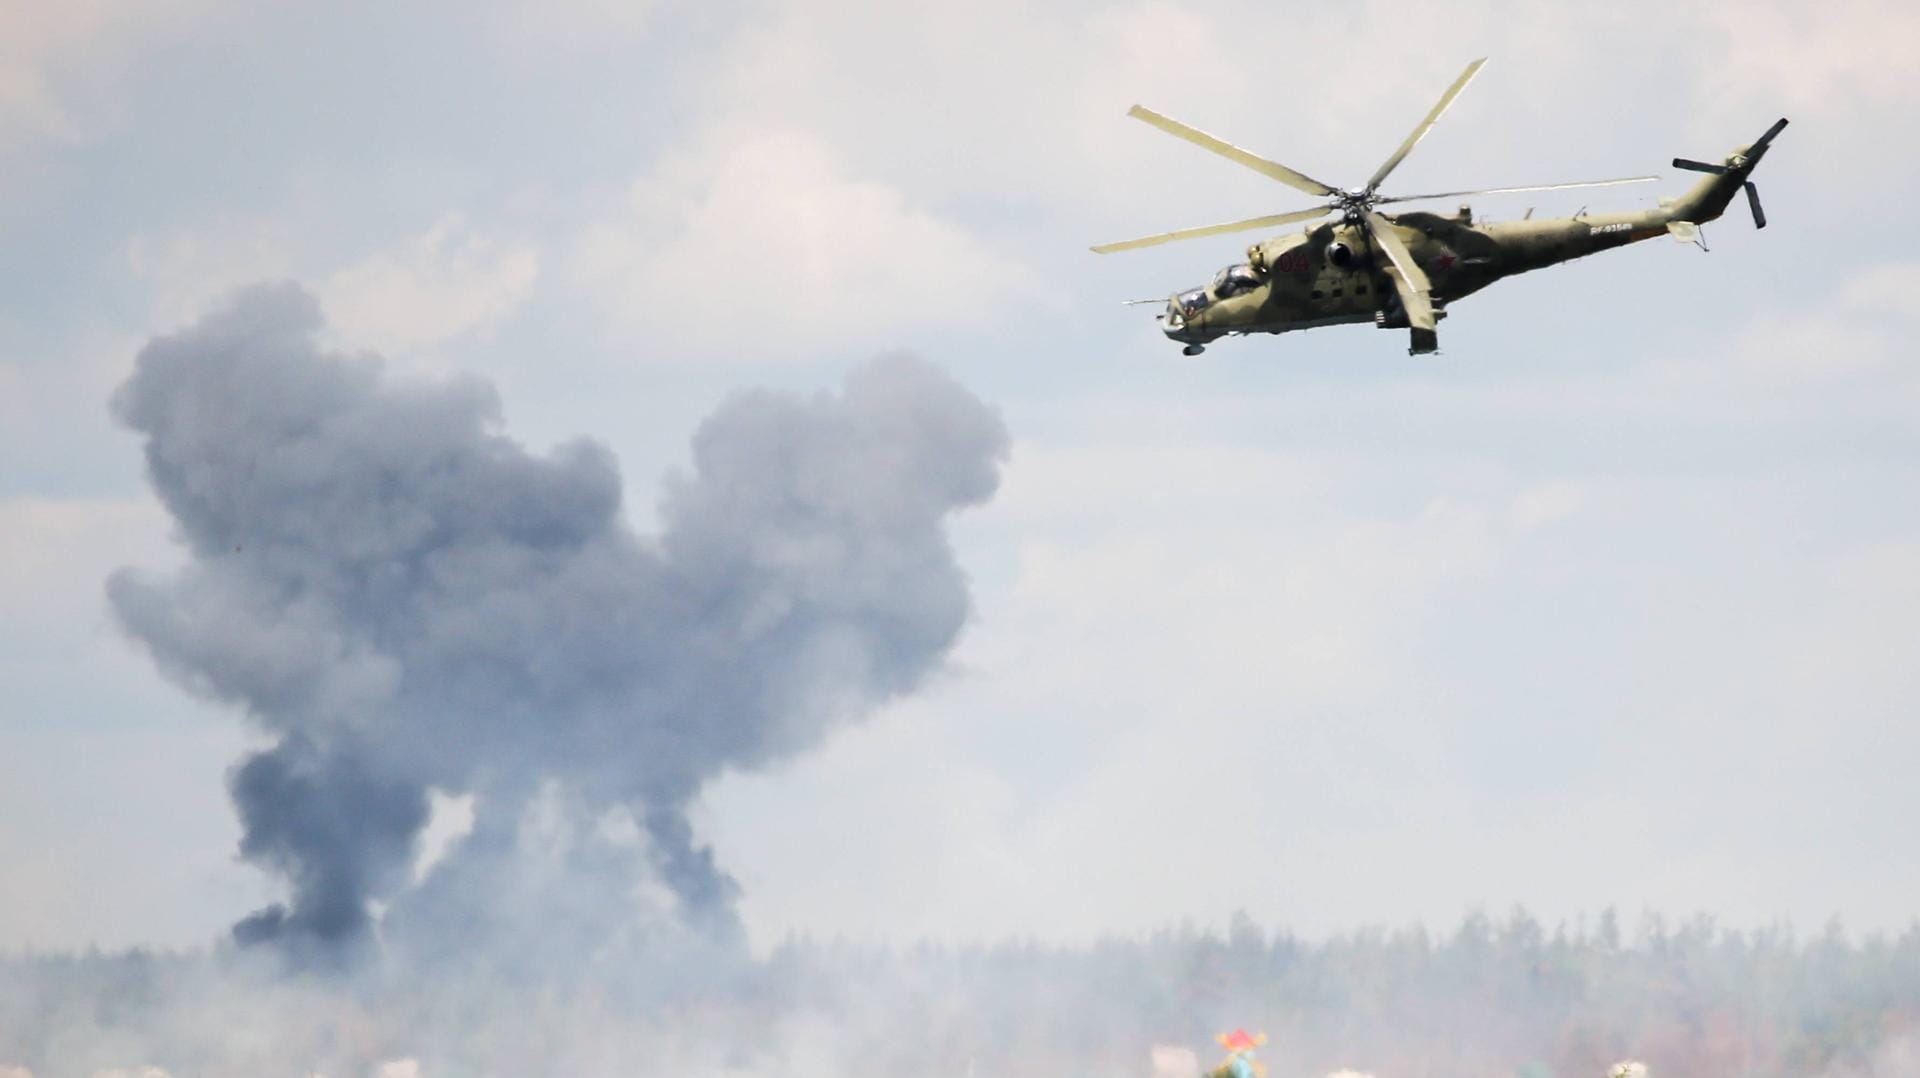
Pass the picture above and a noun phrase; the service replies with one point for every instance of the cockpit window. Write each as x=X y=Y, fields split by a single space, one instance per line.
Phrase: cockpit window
x=1193 y=302
x=1234 y=280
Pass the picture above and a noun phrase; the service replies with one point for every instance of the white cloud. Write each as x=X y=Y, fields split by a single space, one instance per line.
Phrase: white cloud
x=448 y=283
x=1547 y=504
x=60 y=550
x=41 y=397
x=102 y=754
x=1211 y=674
x=1237 y=563
x=1825 y=59
x=450 y=819
x=60 y=63
x=1887 y=288
x=1174 y=1061
x=29 y=106
x=187 y=272
x=764 y=236
x=1849 y=345
x=1048 y=125
x=1209 y=701
x=569 y=25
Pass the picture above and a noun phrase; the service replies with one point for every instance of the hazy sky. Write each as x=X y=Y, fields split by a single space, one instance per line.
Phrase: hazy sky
x=1615 y=602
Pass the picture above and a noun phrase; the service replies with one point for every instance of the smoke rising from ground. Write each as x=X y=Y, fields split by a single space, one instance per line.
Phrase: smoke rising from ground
x=407 y=600
x=1503 y=999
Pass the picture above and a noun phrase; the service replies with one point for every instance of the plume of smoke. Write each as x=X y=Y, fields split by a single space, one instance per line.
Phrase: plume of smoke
x=408 y=600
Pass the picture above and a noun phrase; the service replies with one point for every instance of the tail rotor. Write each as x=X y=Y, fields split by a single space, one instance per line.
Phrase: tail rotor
x=1753 y=201
x=1742 y=163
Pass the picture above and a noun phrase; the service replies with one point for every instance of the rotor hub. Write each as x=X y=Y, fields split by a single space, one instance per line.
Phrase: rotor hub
x=1353 y=204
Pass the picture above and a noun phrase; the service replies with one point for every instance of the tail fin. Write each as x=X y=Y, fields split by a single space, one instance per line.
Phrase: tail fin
x=1709 y=198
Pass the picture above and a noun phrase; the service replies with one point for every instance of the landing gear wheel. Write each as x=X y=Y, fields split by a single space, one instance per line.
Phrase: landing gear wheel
x=1193 y=349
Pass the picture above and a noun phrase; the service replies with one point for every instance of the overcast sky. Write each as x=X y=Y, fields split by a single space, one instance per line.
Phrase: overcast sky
x=1616 y=602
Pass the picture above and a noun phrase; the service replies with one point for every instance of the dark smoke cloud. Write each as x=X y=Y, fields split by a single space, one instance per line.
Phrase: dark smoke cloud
x=409 y=601
x=323 y=821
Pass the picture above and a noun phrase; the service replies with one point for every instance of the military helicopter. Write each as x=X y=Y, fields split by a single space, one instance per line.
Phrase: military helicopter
x=1400 y=271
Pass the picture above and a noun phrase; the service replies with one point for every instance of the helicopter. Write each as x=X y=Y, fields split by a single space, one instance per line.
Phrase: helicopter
x=1400 y=271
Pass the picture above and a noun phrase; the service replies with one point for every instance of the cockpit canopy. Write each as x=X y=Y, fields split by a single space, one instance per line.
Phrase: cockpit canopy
x=1229 y=282
x=1234 y=280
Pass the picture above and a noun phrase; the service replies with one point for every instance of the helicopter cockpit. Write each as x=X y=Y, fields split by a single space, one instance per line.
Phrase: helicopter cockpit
x=1228 y=283
x=1234 y=280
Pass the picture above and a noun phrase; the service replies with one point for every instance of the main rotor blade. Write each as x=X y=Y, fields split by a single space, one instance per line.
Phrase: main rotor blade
x=1699 y=166
x=1426 y=125
x=1509 y=190
x=1270 y=169
x=1387 y=240
x=1270 y=221
x=1418 y=306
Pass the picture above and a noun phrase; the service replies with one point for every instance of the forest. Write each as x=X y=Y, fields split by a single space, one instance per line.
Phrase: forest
x=1502 y=997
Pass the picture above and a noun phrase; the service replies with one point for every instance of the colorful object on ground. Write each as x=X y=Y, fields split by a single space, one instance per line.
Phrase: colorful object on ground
x=1240 y=1062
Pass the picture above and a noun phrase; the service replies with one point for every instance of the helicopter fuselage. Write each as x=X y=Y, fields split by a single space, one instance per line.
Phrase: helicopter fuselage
x=1334 y=274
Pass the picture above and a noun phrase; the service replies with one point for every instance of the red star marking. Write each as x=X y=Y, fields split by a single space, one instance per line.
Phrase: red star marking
x=1446 y=260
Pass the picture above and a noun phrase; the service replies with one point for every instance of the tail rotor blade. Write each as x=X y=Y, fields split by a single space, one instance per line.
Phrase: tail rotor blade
x=1699 y=166
x=1778 y=126
x=1753 y=201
